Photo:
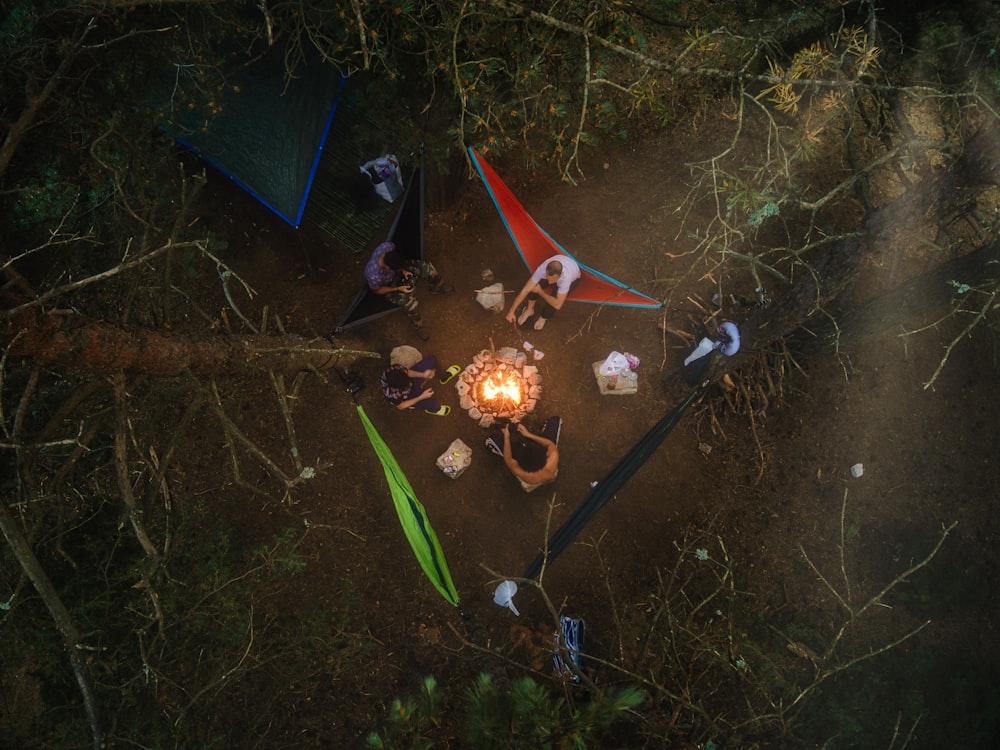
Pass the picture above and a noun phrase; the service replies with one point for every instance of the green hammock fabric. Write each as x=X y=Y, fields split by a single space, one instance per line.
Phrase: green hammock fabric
x=412 y=516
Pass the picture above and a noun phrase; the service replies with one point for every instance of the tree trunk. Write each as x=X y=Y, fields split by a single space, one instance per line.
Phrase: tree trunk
x=72 y=639
x=96 y=346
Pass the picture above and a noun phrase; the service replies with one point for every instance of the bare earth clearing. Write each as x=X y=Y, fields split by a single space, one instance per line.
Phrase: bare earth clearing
x=766 y=489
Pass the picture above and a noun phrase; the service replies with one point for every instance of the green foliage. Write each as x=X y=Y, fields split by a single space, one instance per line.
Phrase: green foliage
x=525 y=715
x=509 y=93
x=46 y=199
x=756 y=218
x=744 y=197
x=281 y=557
x=21 y=17
x=409 y=720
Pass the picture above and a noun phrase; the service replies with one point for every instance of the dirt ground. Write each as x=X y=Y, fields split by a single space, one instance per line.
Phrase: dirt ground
x=771 y=489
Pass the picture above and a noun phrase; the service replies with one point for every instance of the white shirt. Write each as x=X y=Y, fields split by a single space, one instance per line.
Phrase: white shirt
x=570 y=273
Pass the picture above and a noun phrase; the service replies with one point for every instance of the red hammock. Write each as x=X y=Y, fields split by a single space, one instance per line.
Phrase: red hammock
x=535 y=246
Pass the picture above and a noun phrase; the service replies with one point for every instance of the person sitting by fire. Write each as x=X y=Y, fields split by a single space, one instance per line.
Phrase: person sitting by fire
x=392 y=274
x=407 y=387
x=547 y=287
x=532 y=458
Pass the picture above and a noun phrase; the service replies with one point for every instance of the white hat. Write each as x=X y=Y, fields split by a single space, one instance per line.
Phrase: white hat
x=504 y=596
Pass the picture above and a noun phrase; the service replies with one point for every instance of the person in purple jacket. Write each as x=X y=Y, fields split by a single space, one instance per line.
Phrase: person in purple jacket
x=392 y=274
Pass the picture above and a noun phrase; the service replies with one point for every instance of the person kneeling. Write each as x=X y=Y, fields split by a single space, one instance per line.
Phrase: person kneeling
x=391 y=274
x=532 y=458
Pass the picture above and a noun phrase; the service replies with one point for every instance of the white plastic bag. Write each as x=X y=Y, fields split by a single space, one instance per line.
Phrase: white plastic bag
x=504 y=596
x=491 y=297
x=615 y=364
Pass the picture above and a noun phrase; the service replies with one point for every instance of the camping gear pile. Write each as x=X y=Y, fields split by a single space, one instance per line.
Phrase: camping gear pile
x=454 y=461
x=616 y=374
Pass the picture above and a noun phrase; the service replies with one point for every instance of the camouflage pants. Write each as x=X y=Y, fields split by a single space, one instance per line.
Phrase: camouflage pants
x=421 y=270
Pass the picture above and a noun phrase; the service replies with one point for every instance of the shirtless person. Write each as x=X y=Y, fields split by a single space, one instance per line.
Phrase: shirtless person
x=533 y=459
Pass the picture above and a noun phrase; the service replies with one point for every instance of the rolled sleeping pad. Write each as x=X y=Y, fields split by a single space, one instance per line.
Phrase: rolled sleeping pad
x=730 y=347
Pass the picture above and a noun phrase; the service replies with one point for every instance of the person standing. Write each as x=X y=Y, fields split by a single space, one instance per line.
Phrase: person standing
x=547 y=289
x=392 y=274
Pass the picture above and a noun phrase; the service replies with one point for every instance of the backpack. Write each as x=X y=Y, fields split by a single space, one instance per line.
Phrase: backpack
x=385 y=176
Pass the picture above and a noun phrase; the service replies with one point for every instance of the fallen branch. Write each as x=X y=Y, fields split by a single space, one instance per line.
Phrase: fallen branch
x=72 y=638
x=232 y=431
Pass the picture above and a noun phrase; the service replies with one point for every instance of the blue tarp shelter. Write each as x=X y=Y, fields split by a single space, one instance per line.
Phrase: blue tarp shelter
x=267 y=130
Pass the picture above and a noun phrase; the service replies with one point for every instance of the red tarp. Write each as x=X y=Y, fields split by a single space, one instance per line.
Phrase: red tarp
x=535 y=246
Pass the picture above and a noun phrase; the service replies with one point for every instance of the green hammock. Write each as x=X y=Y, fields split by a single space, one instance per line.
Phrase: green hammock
x=412 y=516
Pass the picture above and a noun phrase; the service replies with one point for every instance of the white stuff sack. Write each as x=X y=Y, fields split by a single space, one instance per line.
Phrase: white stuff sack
x=491 y=297
x=404 y=355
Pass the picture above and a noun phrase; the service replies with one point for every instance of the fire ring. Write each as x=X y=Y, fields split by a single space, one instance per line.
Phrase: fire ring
x=499 y=385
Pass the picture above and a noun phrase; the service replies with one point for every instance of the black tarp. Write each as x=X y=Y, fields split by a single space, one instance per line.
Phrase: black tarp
x=407 y=234
x=605 y=489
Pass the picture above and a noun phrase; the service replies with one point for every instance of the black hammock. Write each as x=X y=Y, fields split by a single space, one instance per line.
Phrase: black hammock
x=605 y=489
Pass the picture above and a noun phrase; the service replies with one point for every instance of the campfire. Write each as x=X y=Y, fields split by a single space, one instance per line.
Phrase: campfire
x=501 y=391
x=499 y=385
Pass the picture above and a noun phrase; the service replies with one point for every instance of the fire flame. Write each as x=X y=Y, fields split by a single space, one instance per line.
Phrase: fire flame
x=497 y=386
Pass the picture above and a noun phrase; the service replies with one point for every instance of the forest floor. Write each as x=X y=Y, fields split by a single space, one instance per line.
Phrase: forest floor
x=771 y=488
